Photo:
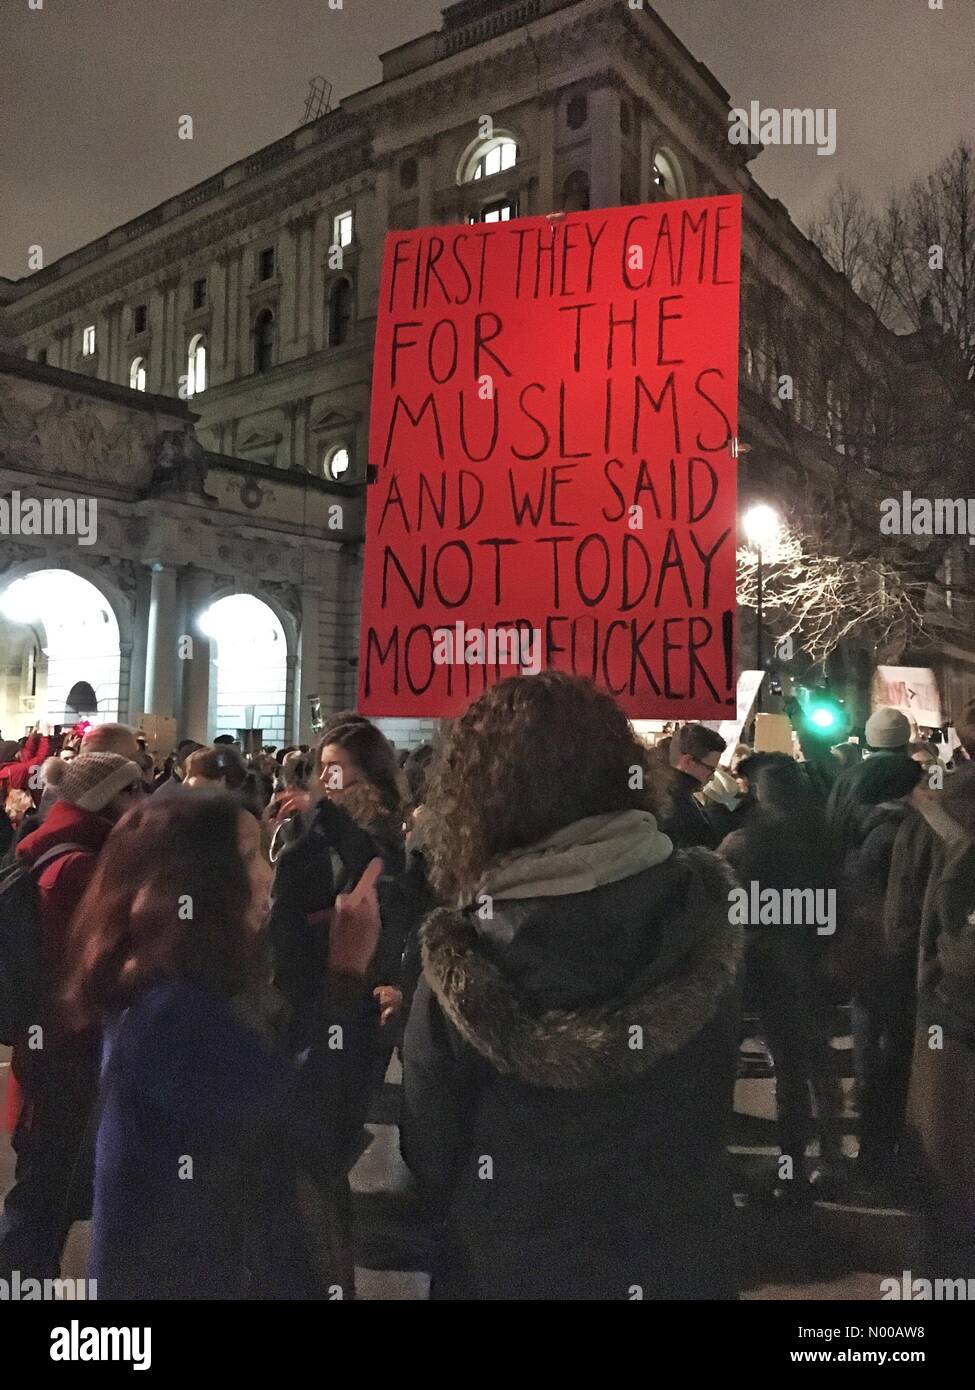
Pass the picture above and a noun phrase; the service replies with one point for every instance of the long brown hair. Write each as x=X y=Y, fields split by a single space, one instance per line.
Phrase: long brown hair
x=169 y=899
x=373 y=755
x=532 y=754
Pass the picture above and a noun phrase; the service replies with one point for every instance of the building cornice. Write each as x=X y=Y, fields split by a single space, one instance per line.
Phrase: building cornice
x=265 y=200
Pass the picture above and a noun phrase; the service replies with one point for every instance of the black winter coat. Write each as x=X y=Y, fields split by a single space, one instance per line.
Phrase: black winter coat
x=686 y=821
x=568 y=1080
x=324 y=853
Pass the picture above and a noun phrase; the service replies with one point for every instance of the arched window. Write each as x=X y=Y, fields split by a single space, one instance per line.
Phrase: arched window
x=137 y=374
x=337 y=463
x=666 y=177
x=489 y=157
x=339 y=312
x=502 y=210
x=575 y=192
x=196 y=365
x=264 y=341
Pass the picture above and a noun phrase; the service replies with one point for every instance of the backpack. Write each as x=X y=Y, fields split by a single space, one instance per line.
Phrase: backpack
x=21 y=976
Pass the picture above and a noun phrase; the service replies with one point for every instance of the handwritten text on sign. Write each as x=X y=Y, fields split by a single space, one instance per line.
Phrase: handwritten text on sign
x=553 y=409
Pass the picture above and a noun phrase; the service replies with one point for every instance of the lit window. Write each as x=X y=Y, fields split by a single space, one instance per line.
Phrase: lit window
x=88 y=340
x=343 y=230
x=666 y=177
x=196 y=366
x=488 y=158
x=337 y=463
x=502 y=211
x=137 y=374
x=500 y=154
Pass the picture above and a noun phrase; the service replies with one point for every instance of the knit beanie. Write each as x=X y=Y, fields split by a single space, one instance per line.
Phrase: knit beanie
x=888 y=728
x=92 y=780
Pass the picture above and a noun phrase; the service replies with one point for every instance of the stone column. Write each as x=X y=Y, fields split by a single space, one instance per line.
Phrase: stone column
x=606 y=167
x=109 y=332
x=309 y=680
x=647 y=190
x=371 y=238
x=223 y=355
x=160 y=372
x=296 y=311
x=425 y=182
x=547 y=195
x=161 y=643
x=194 y=720
x=245 y=348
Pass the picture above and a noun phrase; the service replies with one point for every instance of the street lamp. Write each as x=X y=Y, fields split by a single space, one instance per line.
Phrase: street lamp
x=762 y=524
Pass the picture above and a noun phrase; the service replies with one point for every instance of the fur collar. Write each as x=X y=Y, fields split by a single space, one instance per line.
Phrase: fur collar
x=592 y=1046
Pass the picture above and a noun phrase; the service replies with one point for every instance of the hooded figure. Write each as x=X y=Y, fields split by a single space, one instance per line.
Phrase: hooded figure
x=569 y=1059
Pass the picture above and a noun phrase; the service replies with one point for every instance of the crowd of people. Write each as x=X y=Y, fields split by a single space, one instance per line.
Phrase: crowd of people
x=207 y=963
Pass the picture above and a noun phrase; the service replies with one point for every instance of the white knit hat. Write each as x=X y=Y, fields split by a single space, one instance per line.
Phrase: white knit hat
x=888 y=728
x=92 y=780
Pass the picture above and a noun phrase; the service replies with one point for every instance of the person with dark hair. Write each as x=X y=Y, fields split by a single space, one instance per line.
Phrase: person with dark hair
x=339 y=720
x=222 y=768
x=574 y=1036
x=184 y=749
x=357 y=771
x=291 y=797
x=419 y=897
x=207 y=1131
x=939 y=1140
x=784 y=846
x=695 y=752
x=57 y=1080
x=883 y=987
x=416 y=771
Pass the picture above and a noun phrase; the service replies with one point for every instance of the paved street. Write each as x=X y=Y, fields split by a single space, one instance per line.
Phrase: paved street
x=836 y=1251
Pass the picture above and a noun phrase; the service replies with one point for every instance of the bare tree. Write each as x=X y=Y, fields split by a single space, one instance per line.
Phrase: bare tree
x=821 y=600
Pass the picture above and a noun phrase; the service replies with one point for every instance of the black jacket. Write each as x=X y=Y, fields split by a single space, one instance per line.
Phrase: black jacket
x=568 y=1076
x=686 y=821
x=323 y=854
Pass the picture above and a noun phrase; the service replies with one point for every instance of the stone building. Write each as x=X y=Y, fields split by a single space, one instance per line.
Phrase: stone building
x=200 y=586
x=251 y=298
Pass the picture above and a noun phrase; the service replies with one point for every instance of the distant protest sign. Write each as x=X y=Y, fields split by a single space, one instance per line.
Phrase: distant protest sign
x=554 y=408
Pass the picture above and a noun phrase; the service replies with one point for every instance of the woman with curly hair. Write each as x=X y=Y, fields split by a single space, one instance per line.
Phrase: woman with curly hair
x=569 y=1059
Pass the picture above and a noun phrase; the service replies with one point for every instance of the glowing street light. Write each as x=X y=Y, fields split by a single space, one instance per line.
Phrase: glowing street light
x=762 y=525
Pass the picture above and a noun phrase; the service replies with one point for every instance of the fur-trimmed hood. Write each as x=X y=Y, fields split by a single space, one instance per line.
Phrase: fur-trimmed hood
x=660 y=1003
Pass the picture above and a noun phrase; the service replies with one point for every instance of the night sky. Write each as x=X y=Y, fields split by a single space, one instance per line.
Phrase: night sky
x=91 y=92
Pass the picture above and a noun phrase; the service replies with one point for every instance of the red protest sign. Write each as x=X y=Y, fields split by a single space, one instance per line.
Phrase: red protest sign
x=553 y=410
